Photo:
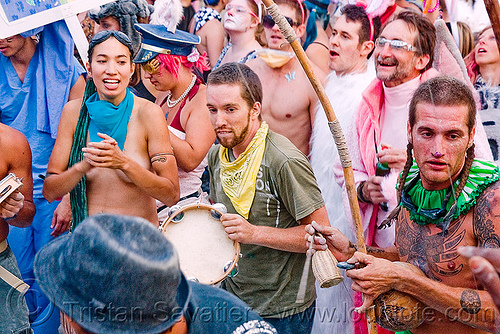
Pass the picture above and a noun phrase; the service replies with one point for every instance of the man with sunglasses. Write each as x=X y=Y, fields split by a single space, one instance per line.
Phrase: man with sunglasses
x=38 y=75
x=403 y=55
x=448 y=198
x=290 y=100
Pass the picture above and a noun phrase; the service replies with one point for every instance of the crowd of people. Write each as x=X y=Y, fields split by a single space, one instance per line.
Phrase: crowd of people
x=185 y=102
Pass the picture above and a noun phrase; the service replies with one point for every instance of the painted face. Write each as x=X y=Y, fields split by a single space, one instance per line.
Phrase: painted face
x=12 y=45
x=111 y=69
x=162 y=79
x=239 y=16
x=274 y=37
x=396 y=66
x=107 y=23
x=229 y=114
x=441 y=129
x=344 y=46
x=486 y=50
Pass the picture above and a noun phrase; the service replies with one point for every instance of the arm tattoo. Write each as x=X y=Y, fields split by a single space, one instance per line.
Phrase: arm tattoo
x=470 y=302
x=160 y=157
x=374 y=250
x=485 y=220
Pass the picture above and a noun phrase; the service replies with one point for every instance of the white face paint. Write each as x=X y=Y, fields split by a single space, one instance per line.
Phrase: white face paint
x=238 y=16
x=236 y=22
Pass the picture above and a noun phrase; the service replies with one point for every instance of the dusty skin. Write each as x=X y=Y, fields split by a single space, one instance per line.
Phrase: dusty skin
x=16 y=158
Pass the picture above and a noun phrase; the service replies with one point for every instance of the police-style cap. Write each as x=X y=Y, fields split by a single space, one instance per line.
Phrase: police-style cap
x=157 y=39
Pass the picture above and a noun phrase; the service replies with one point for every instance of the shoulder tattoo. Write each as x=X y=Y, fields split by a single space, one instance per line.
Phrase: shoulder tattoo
x=486 y=221
x=160 y=157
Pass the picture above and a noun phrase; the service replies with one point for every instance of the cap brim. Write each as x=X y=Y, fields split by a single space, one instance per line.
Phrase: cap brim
x=54 y=284
x=143 y=56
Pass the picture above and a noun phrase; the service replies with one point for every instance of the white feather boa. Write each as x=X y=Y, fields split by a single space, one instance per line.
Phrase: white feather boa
x=168 y=13
x=345 y=94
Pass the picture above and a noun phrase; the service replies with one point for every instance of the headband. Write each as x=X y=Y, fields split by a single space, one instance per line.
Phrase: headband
x=370 y=19
x=302 y=10
x=259 y=6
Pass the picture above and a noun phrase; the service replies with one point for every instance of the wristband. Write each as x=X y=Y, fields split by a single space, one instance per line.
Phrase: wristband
x=362 y=198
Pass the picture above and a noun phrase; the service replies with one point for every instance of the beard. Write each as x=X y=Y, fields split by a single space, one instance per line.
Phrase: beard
x=237 y=138
x=400 y=71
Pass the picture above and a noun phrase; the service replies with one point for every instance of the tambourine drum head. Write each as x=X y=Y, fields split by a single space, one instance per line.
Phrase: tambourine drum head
x=202 y=244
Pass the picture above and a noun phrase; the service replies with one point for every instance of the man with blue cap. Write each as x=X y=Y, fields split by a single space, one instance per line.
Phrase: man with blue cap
x=119 y=274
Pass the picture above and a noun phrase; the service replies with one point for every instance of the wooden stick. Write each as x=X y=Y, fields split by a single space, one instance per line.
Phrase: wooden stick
x=493 y=9
x=336 y=130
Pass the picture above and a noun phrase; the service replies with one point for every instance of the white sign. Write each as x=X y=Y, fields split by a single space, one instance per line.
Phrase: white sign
x=17 y=16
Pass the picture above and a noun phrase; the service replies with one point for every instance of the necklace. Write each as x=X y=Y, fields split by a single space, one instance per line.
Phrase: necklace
x=172 y=104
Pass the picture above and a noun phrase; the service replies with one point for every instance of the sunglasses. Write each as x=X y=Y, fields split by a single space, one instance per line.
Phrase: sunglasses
x=268 y=22
x=394 y=44
x=152 y=66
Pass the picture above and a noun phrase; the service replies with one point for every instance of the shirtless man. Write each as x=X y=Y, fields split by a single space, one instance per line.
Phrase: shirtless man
x=431 y=226
x=290 y=100
x=134 y=160
x=17 y=210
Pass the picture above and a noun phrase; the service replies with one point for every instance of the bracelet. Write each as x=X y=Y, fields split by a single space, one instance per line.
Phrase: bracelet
x=359 y=191
x=352 y=245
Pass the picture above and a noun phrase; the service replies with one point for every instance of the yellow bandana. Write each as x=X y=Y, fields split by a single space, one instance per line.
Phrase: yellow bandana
x=238 y=177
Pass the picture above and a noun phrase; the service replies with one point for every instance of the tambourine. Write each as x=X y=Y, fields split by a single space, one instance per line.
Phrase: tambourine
x=206 y=254
x=8 y=185
x=398 y=311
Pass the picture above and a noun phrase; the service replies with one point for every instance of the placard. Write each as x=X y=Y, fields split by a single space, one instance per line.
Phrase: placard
x=17 y=16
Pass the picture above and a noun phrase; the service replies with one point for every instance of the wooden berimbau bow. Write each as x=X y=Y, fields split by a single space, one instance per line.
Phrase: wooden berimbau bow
x=335 y=128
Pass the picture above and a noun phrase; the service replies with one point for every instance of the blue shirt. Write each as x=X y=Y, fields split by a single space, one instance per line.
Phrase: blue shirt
x=214 y=310
x=34 y=106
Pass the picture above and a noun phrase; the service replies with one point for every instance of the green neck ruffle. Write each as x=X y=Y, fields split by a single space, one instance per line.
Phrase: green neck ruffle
x=425 y=206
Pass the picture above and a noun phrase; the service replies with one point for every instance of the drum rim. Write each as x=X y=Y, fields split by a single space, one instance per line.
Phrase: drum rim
x=236 y=244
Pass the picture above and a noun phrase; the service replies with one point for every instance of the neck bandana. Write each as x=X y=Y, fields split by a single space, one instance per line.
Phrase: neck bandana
x=238 y=176
x=437 y=206
x=275 y=58
x=107 y=118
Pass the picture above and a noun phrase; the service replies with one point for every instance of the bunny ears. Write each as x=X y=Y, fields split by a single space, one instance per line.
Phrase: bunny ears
x=370 y=19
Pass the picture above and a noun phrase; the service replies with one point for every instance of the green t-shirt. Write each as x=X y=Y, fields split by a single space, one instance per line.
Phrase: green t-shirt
x=286 y=191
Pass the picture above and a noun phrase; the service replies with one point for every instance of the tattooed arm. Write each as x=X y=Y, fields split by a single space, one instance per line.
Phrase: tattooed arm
x=389 y=253
x=428 y=250
x=472 y=307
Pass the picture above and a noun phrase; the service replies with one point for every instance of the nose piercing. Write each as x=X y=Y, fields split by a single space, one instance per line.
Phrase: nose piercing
x=437 y=154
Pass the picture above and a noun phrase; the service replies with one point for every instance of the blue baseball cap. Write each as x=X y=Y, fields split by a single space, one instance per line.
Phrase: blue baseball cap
x=114 y=274
x=157 y=39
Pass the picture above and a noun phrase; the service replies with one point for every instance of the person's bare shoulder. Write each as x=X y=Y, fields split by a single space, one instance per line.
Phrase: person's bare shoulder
x=146 y=107
x=486 y=217
x=10 y=139
x=257 y=65
x=12 y=144
x=201 y=96
x=148 y=113
x=210 y=28
x=72 y=108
